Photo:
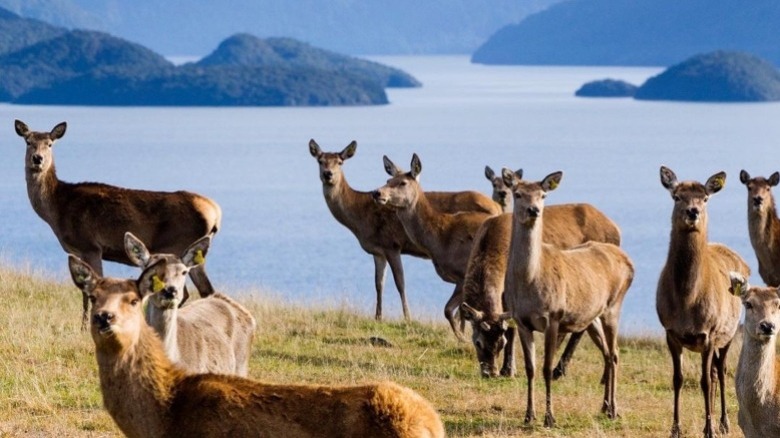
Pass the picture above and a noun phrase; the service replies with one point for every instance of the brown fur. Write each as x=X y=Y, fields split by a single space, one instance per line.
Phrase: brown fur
x=693 y=300
x=447 y=237
x=90 y=219
x=758 y=371
x=556 y=290
x=764 y=225
x=148 y=396
x=376 y=227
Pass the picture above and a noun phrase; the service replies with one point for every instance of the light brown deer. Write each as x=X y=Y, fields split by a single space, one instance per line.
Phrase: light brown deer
x=212 y=334
x=90 y=219
x=554 y=290
x=447 y=237
x=147 y=395
x=502 y=195
x=764 y=225
x=693 y=300
x=566 y=225
x=758 y=370
x=376 y=227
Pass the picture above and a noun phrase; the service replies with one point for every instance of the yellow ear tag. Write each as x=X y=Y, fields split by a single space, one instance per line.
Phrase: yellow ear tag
x=511 y=323
x=720 y=182
x=199 y=259
x=553 y=184
x=738 y=289
x=157 y=284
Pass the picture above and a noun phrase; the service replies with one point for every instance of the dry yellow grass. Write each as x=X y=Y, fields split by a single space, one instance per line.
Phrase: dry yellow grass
x=49 y=384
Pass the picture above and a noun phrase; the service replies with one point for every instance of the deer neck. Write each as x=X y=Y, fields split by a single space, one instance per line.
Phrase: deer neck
x=164 y=322
x=525 y=253
x=422 y=222
x=756 y=376
x=137 y=384
x=42 y=189
x=686 y=257
x=343 y=202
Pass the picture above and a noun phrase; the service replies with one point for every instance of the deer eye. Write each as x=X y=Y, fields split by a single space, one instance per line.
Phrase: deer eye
x=135 y=302
x=403 y=184
x=544 y=195
x=676 y=198
x=748 y=305
x=92 y=299
x=706 y=198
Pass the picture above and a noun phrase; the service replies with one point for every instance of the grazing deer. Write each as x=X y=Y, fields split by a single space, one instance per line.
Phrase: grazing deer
x=758 y=371
x=90 y=219
x=764 y=225
x=555 y=290
x=447 y=237
x=693 y=300
x=147 y=395
x=376 y=227
x=566 y=226
x=212 y=334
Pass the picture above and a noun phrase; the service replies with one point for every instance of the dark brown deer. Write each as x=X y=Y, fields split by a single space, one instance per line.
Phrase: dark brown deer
x=90 y=219
x=764 y=225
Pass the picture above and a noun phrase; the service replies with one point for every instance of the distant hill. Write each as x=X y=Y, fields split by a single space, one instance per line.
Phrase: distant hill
x=17 y=32
x=635 y=32
x=248 y=50
x=715 y=77
x=356 y=27
x=607 y=88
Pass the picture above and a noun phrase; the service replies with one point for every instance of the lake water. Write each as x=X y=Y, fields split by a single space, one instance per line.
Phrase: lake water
x=279 y=237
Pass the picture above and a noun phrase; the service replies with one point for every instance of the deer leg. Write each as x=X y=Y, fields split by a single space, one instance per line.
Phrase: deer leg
x=380 y=265
x=706 y=383
x=568 y=353
x=596 y=333
x=550 y=347
x=398 y=277
x=675 y=350
x=529 y=357
x=609 y=342
x=95 y=260
x=451 y=307
x=201 y=281
x=720 y=364
x=509 y=367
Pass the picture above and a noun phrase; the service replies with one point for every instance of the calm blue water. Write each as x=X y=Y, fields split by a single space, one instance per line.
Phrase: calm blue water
x=278 y=236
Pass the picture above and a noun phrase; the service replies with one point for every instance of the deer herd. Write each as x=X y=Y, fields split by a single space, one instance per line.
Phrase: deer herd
x=517 y=266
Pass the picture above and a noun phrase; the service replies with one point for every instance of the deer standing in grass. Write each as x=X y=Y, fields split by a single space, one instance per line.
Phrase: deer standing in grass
x=376 y=227
x=764 y=225
x=147 y=395
x=554 y=290
x=758 y=370
x=213 y=334
x=693 y=300
x=565 y=226
x=90 y=219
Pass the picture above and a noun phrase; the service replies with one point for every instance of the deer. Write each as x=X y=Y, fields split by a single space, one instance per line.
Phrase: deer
x=376 y=227
x=213 y=334
x=89 y=219
x=501 y=195
x=147 y=395
x=764 y=225
x=693 y=301
x=757 y=378
x=566 y=226
x=555 y=290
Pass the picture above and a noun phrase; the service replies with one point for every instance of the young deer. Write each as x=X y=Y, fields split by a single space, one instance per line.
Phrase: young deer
x=758 y=370
x=89 y=219
x=148 y=396
x=693 y=300
x=554 y=290
x=764 y=225
x=376 y=227
x=447 y=237
x=212 y=334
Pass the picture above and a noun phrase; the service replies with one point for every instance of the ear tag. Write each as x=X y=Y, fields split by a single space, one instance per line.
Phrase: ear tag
x=157 y=284
x=511 y=323
x=737 y=289
x=199 y=259
x=719 y=182
x=553 y=185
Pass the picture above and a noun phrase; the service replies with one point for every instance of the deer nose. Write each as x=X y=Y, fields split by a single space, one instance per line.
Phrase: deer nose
x=533 y=211
x=767 y=328
x=327 y=174
x=693 y=213
x=169 y=293
x=757 y=200
x=103 y=318
x=502 y=195
x=37 y=159
x=375 y=194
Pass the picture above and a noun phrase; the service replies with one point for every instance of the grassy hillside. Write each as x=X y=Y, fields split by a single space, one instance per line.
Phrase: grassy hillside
x=49 y=384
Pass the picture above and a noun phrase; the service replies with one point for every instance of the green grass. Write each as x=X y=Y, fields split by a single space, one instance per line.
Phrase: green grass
x=49 y=383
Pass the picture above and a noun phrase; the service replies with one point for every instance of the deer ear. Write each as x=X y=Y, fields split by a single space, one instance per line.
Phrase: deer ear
x=58 y=131
x=469 y=313
x=509 y=177
x=390 y=167
x=774 y=179
x=314 y=149
x=348 y=151
x=715 y=183
x=416 y=166
x=739 y=284
x=744 y=177
x=21 y=128
x=551 y=181
x=84 y=277
x=489 y=174
x=668 y=178
x=136 y=250
x=149 y=281
x=196 y=253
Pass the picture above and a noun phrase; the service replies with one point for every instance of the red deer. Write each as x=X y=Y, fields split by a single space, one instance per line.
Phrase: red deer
x=555 y=290
x=148 y=396
x=90 y=219
x=763 y=225
x=693 y=300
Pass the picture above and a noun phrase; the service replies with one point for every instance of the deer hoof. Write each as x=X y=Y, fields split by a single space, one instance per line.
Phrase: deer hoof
x=549 y=420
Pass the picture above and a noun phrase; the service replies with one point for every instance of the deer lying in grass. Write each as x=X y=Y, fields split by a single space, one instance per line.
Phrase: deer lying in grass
x=693 y=300
x=376 y=227
x=758 y=370
x=566 y=225
x=148 y=396
x=447 y=237
x=764 y=225
x=89 y=219
x=213 y=334
x=554 y=290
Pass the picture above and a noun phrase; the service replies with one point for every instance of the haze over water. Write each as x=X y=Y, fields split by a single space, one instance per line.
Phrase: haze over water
x=277 y=233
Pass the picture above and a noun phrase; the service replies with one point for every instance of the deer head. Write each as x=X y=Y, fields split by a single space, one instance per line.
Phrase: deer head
x=762 y=308
x=690 y=199
x=331 y=162
x=759 y=190
x=529 y=196
x=488 y=336
x=39 y=157
x=403 y=189
x=502 y=193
